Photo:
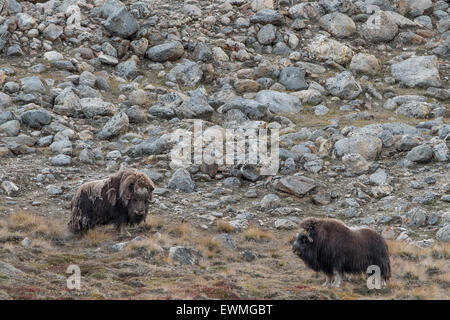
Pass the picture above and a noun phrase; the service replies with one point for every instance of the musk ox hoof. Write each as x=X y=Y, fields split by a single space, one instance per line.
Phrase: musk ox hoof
x=337 y=281
x=328 y=281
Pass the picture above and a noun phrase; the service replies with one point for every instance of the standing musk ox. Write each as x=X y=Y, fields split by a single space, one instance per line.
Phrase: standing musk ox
x=123 y=198
x=328 y=245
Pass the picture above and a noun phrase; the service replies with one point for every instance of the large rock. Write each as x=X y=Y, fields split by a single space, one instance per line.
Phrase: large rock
x=296 y=185
x=92 y=107
x=195 y=107
x=267 y=16
x=10 y=188
x=181 y=180
x=344 y=86
x=355 y=163
x=419 y=7
x=52 y=32
x=342 y=6
x=25 y=21
x=286 y=224
x=293 y=78
x=443 y=234
x=380 y=27
x=187 y=73
x=307 y=10
x=154 y=145
x=365 y=63
x=61 y=160
x=166 y=105
x=110 y=6
x=267 y=34
x=338 y=24
x=421 y=154
x=121 y=23
x=441 y=152
x=165 y=52
x=367 y=146
x=128 y=69
x=5 y=100
x=262 y=4
x=182 y=255
x=251 y=108
x=36 y=118
x=32 y=84
x=67 y=103
x=279 y=102
x=115 y=126
x=422 y=71
x=225 y=240
x=323 y=48
x=10 y=128
x=414 y=109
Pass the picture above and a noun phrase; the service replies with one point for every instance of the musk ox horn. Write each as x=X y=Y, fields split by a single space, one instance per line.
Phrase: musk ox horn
x=126 y=188
x=305 y=233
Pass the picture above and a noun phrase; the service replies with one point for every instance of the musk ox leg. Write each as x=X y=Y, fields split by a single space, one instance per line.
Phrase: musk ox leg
x=328 y=281
x=337 y=280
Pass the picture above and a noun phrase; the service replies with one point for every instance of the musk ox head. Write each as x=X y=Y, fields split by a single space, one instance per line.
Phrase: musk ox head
x=304 y=239
x=135 y=193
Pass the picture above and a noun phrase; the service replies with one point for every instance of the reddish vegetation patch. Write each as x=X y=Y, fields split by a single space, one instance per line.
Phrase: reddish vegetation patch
x=23 y=293
x=219 y=290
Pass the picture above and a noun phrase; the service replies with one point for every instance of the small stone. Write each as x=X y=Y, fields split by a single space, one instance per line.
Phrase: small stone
x=10 y=188
x=225 y=240
x=248 y=256
x=26 y=243
x=182 y=255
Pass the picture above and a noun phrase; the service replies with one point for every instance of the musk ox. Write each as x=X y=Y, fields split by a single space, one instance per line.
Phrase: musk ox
x=123 y=198
x=328 y=245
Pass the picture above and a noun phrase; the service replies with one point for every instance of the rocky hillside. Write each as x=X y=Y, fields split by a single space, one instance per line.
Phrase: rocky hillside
x=357 y=89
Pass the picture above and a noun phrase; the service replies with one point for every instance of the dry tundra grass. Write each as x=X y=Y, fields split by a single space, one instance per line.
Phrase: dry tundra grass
x=143 y=269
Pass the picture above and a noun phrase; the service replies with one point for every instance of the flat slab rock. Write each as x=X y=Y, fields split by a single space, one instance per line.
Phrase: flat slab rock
x=296 y=185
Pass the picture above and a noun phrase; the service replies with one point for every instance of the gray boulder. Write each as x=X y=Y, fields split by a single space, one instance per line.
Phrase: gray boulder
x=344 y=86
x=443 y=234
x=195 y=107
x=165 y=52
x=338 y=24
x=182 y=255
x=116 y=125
x=293 y=78
x=187 y=73
x=422 y=71
x=92 y=107
x=32 y=84
x=421 y=154
x=267 y=34
x=367 y=146
x=121 y=23
x=181 y=180
x=266 y=16
x=279 y=102
x=380 y=27
x=251 y=108
x=36 y=118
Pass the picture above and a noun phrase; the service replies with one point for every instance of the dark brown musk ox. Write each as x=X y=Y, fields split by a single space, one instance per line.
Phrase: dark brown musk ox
x=328 y=245
x=123 y=198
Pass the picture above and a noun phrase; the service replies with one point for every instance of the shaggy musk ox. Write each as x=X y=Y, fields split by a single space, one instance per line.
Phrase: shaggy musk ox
x=123 y=198
x=328 y=245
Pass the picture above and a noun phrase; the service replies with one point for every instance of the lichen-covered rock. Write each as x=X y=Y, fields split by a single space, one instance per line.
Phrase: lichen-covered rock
x=421 y=71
